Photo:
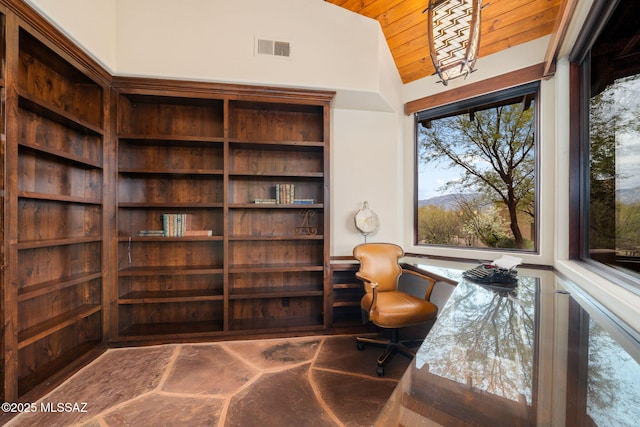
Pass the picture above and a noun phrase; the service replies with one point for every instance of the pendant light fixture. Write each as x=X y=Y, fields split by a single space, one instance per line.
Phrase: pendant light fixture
x=454 y=36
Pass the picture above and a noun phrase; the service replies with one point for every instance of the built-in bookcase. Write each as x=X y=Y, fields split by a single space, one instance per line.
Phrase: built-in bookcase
x=347 y=293
x=3 y=249
x=246 y=170
x=139 y=210
x=170 y=168
x=56 y=198
x=277 y=251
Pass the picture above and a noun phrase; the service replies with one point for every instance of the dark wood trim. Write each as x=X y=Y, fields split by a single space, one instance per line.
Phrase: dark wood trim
x=201 y=89
x=58 y=41
x=416 y=182
x=493 y=84
x=110 y=264
x=342 y=258
x=10 y=285
x=593 y=25
x=326 y=251
x=577 y=118
x=565 y=14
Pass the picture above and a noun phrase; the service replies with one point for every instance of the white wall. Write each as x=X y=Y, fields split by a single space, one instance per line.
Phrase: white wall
x=204 y=40
x=208 y=40
x=365 y=167
x=213 y=40
x=91 y=24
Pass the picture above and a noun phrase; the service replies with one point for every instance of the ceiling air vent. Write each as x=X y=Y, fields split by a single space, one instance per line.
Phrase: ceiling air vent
x=273 y=48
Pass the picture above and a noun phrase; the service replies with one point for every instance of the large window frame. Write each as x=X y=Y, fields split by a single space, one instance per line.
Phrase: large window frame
x=496 y=97
x=579 y=187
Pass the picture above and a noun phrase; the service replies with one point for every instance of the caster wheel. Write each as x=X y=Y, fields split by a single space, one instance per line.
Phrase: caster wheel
x=380 y=371
x=360 y=346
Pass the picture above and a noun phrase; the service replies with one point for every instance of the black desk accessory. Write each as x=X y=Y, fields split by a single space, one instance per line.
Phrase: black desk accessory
x=490 y=274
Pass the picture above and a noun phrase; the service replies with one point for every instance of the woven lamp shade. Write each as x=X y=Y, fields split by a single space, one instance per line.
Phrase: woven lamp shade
x=454 y=36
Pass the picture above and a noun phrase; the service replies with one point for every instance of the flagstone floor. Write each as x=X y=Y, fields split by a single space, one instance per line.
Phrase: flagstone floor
x=310 y=381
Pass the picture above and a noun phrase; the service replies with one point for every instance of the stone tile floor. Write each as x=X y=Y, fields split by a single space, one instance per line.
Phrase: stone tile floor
x=310 y=381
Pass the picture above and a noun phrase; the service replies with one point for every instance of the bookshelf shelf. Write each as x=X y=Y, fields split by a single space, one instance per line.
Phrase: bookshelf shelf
x=208 y=158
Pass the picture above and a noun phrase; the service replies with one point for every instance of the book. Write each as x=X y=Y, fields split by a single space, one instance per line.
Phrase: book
x=153 y=233
x=285 y=193
x=175 y=225
x=265 y=201
x=198 y=233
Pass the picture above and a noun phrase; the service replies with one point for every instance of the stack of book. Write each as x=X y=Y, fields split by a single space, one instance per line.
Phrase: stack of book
x=284 y=193
x=175 y=225
x=265 y=201
x=151 y=233
x=284 y=196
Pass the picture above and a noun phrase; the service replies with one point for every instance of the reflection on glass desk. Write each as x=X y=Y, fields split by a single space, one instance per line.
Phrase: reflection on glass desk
x=530 y=356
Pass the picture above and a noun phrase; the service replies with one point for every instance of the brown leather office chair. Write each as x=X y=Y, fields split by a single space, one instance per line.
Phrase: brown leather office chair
x=383 y=304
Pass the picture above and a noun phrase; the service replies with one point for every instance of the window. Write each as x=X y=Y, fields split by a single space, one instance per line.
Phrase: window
x=476 y=172
x=602 y=372
x=608 y=139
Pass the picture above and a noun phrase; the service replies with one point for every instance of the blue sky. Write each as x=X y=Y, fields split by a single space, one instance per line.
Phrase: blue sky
x=432 y=177
x=627 y=102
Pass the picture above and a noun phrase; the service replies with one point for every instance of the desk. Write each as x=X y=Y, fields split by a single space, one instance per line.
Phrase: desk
x=539 y=355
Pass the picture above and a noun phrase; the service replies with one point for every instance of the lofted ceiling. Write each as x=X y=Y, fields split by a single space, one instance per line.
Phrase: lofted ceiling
x=505 y=23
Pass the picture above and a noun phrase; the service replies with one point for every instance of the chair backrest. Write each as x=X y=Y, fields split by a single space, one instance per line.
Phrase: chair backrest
x=379 y=263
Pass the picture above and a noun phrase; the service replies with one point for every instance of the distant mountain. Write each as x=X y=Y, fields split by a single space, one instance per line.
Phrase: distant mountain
x=628 y=195
x=448 y=201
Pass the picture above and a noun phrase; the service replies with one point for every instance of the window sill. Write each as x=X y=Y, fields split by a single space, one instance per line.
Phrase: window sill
x=622 y=302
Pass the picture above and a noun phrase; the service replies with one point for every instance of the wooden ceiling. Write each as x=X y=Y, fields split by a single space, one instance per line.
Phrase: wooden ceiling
x=505 y=23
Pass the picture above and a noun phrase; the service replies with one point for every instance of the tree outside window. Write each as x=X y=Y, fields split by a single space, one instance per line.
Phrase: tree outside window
x=608 y=99
x=476 y=165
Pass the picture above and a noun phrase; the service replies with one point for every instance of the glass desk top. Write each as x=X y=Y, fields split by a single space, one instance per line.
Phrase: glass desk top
x=536 y=355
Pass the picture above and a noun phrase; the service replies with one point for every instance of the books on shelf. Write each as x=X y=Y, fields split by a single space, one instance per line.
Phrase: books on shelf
x=265 y=201
x=284 y=193
x=175 y=225
x=284 y=196
x=151 y=233
x=198 y=232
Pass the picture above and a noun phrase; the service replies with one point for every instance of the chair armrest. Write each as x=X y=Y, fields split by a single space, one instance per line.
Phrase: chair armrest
x=374 y=287
x=430 y=281
x=363 y=277
x=369 y=285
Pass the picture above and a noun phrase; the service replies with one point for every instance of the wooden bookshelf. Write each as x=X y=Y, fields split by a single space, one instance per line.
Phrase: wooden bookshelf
x=212 y=153
x=54 y=149
x=95 y=167
x=170 y=150
x=5 y=293
x=346 y=295
x=278 y=253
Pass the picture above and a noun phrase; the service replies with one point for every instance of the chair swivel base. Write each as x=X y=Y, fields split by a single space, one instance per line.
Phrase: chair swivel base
x=392 y=346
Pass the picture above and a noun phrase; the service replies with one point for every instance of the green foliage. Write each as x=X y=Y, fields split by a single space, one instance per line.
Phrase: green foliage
x=488 y=226
x=611 y=116
x=602 y=170
x=628 y=228
x=437 y=226
x=495 y=149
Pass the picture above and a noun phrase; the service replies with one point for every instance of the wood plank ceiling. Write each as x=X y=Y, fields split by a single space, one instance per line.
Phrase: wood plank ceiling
x=505 y=23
